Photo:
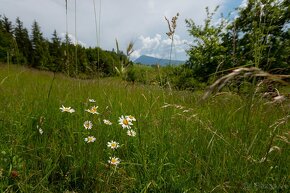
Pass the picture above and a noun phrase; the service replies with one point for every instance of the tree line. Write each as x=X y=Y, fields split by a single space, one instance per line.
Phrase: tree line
x=19 y=47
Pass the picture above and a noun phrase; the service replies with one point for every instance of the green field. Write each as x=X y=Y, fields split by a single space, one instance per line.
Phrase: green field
x=228 y=143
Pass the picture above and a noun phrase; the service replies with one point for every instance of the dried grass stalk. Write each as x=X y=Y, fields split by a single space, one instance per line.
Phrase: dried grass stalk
x=243 y=72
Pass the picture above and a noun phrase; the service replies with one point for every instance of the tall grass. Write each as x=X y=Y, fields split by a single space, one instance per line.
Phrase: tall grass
x=182 y=145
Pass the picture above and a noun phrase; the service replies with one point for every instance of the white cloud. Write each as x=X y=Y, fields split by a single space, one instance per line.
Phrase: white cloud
x=150 y=43
x=159 y=46
x=125 y=20
x=72 y=39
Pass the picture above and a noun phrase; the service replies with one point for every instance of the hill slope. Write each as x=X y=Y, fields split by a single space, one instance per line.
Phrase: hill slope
x=148 y=60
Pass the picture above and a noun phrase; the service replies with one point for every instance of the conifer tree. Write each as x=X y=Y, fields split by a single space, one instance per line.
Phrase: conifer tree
x=40 y=47
x=7 y=25
x=55 y=52
x=7 y=43
x=23 y=42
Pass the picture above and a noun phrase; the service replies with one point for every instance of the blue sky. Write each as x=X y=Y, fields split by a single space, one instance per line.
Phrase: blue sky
x=140 y=21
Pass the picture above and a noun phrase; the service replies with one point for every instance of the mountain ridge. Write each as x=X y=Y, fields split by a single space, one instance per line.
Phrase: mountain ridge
x=149 y=60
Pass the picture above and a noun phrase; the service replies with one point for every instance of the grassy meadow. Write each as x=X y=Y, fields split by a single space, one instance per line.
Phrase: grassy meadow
x=228 y=143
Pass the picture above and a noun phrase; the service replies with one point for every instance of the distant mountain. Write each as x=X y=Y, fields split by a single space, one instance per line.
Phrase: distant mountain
x=148 y=60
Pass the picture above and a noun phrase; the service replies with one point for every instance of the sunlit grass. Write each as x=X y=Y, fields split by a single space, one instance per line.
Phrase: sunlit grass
x=180 y=144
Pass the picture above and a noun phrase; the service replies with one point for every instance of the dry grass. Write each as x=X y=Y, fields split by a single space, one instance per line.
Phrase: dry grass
x=251 y=72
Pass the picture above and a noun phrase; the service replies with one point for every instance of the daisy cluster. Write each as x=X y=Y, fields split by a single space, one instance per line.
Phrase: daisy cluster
x=88 y=125
x=113 y=146
x=126 y=122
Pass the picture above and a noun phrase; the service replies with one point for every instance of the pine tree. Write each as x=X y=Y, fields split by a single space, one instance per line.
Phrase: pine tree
x=7 y=42
x=39 y=47
x=55 y=52
x=1 y=24
x=67 y=49
x=23 y=42
x=7 y=25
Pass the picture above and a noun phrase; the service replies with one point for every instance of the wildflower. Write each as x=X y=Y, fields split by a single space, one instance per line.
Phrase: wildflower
x=113 y=144
x=131 y=133
x=107 y=122
x=126 y=123
x=131 y=118
x=92 y=101
x=67 y=109
x=39 y=130
x=93 y=110
x=90 y=139
x=88 y=125
x=114 y=161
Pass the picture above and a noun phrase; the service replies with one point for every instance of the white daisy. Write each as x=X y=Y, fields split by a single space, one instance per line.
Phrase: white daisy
x=114 y=161
x=124 y=122
x=131 y=118
x=107 y=122
x=39 y=130
x=131 y=133
x=93 y=110
x=90 y=139
x=88 y=125
x=113 y=144
x=92 y=101
x=67 y=109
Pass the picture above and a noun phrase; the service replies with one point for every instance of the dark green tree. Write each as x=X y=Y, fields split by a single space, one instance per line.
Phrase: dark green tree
x=68 y=50
x=56 y=52
x=1 y=24
x=40 y=47
x=23 y=42
x=7 y=25
x=7 y=42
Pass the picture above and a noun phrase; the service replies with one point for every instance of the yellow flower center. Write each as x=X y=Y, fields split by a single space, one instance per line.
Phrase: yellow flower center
x=125 y=122
x=113 y=160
